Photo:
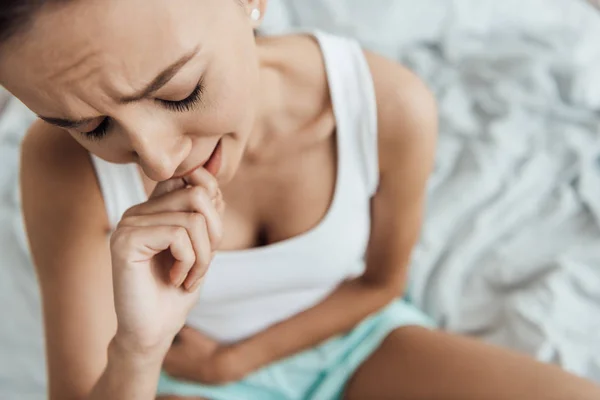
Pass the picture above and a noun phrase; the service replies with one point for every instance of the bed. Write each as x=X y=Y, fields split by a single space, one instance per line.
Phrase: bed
x=510 y=250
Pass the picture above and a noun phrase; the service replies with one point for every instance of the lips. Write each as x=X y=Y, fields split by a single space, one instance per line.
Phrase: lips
x=212 y=164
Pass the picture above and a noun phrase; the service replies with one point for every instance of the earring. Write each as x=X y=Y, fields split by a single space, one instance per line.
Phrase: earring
x=255 y=14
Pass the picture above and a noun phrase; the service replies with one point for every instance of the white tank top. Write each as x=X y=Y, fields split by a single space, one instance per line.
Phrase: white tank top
x=247 y=291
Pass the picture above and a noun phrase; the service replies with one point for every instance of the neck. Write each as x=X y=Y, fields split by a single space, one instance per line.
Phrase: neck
x=291 y=97
x=272 y=112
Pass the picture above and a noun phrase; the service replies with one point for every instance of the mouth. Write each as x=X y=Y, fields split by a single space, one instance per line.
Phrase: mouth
x=212 y=164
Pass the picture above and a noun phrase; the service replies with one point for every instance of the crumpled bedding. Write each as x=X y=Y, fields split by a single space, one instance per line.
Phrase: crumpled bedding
x=510 y=250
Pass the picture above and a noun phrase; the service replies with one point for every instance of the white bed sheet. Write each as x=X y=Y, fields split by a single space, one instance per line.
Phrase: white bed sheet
x=510 y=251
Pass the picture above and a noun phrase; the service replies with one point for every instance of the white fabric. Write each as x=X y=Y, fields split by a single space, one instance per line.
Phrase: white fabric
x=121 y=187
x=249 y=290
x=519 y=89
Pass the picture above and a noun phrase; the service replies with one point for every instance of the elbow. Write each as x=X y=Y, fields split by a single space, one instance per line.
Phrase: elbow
x=382 y=292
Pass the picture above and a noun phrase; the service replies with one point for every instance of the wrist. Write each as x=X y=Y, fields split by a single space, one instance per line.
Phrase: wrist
x=127 y=374
x=249 y=356
x=124 y=348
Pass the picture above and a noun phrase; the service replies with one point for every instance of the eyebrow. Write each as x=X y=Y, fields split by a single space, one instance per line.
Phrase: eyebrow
x=67 y=123
x=161 y=79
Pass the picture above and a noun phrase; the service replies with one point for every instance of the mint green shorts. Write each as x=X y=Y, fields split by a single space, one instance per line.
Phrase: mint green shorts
x=319 y=373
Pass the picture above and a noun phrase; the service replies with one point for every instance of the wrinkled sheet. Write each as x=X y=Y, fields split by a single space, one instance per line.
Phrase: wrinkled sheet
x=510 y=251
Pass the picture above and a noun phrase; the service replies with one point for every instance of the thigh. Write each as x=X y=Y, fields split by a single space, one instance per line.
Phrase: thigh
x=414 y=363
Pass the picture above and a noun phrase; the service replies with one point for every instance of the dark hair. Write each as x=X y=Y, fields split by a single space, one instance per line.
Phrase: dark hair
x=16 y=16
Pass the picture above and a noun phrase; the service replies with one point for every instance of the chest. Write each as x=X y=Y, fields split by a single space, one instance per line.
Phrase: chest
x=272 y=204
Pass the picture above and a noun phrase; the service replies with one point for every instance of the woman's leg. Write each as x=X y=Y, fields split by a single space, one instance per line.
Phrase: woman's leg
x=414 y=363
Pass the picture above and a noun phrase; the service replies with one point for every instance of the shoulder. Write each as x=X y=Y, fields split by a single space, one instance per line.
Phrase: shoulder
x=60 y=194
x=51 y=148
x=407 y=116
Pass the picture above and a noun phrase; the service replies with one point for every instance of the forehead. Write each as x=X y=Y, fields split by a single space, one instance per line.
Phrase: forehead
x=104 y=48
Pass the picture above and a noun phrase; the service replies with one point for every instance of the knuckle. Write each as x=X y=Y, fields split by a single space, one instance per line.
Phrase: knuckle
x=197 y=197
x=131 y=211
x=126 y=220
x=196 y=219
x=122 y=238
x=212 y=185
x=188 y=259
x=179 y=233
x=218 y=236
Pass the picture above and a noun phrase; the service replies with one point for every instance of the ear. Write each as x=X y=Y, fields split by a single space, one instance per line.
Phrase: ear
x=255 y=9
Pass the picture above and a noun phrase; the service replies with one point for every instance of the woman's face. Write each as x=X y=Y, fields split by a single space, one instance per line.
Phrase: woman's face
x=155 y=82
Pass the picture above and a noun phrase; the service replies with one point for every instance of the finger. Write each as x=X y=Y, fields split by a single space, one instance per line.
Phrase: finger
x=220 y=204
x=189 y=200
x=167 y=186
x=204 y=251
x=143 y=243
x=182 y=250
x=203 y=178
x=196 y=228
x=161 y=189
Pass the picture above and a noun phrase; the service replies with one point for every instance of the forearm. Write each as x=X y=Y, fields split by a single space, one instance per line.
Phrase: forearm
x=128 y=375
x=348 y=305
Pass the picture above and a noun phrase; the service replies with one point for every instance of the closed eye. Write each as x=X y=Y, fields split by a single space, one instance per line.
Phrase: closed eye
x=99 y=132
x=187 y=104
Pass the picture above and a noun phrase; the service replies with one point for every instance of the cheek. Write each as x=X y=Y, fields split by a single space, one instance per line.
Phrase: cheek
x=106 y=148
x=229 y=105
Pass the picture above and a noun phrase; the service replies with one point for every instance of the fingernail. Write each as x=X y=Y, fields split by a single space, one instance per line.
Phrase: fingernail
x=181 y=280
x=192 y=288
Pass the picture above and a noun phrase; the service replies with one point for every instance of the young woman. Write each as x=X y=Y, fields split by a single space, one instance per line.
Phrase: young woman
x=172 y=142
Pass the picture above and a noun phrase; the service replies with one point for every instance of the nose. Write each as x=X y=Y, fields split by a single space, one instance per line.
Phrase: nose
x=160 y=153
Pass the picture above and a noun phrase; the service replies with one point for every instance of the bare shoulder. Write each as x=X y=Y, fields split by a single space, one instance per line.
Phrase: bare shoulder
x=67 y=231
x=407 y=115
x=59 y=190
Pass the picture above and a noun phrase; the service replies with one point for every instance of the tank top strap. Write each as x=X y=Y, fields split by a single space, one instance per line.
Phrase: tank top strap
x=355 y=105
x=121 y=186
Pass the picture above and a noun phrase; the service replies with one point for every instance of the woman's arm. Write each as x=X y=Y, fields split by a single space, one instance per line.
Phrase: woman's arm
x=67 y=229
x=128 y=376
x=407 y=135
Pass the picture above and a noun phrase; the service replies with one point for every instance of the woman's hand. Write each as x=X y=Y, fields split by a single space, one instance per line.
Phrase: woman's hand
x=196 y=358
x=160 y=251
